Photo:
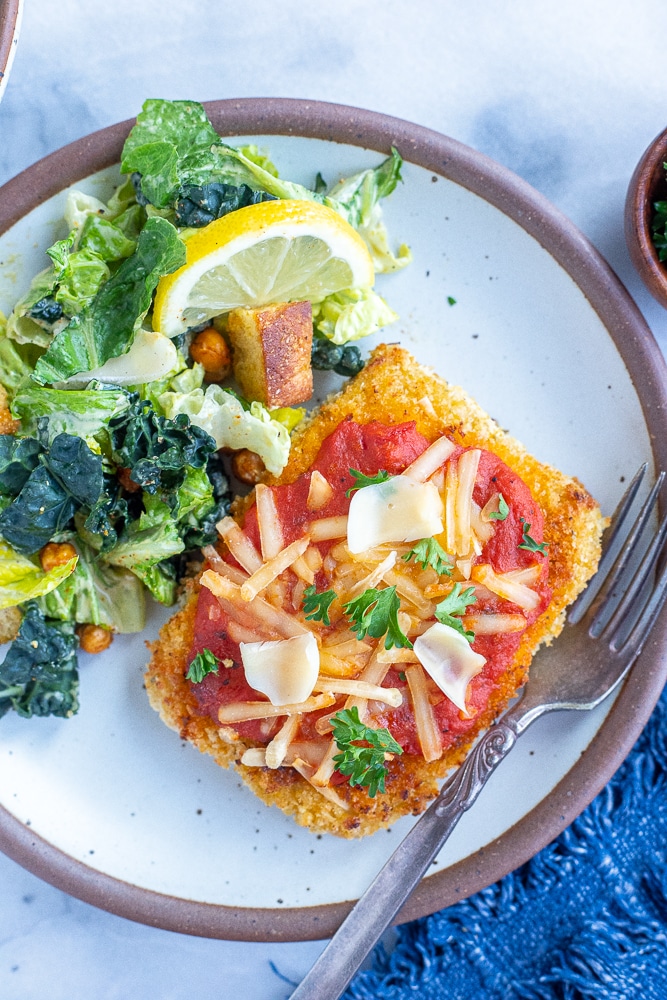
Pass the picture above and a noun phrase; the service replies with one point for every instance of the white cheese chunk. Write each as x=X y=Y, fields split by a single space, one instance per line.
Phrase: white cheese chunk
x=285 y=670
x=151 y=357
x=449 y=660
x=399 y=510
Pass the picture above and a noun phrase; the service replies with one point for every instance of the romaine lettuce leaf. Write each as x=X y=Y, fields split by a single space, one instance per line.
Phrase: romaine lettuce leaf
x=173 y=145
x=39 y=674
x=221 y=414
x=17 y=361
x=83 y=412
x=25 y=328
x=145 y=545
x=79 y=207
x=21 y=580
x=175 y=154
x=79 y=280
x=351 y=314
x=97 y=593
x=104 y=238
x=106 y=328
x=358 y=198
x=122 y=210
x=159 y=579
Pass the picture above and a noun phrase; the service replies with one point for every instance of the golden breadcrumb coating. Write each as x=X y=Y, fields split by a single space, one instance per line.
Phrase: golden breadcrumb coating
x=393 y=388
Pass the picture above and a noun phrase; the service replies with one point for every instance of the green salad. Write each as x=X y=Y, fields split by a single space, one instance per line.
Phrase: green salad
x=114 y=462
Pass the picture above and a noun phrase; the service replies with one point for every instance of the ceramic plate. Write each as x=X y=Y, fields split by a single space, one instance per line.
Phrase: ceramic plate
x=110 y=805
x=11 y=12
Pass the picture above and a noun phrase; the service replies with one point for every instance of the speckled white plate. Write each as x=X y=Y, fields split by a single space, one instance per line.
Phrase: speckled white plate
x=110 y=805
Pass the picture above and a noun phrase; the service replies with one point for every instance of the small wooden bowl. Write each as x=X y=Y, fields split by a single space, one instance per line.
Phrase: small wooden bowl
x=648 y=185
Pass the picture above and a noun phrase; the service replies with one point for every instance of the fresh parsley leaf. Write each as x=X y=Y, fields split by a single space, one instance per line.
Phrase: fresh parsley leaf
x=374 y=613
x=365 y=765
x=204 y=663
x=429 y=552
x=362 y=480
x=659 y=227
x=529 y=543
x=316 y=606
x=503 y=510
x=453 y=605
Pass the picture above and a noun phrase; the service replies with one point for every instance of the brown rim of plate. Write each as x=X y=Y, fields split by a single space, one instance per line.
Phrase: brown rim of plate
x=648 y=184
x=9 y=19
x=645 y=364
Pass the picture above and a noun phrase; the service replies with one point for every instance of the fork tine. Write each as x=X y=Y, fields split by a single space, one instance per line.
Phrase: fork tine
x=643 y=626
x=629 y=600
x=599 y=605
x=584 y=601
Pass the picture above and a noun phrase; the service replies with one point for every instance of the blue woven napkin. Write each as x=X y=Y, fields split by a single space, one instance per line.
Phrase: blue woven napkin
x=586 y=919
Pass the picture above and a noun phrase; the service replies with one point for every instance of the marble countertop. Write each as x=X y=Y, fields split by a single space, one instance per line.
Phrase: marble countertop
x=567 y=95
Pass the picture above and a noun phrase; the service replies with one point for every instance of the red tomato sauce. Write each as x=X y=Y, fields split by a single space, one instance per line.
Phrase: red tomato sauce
x=369 y=448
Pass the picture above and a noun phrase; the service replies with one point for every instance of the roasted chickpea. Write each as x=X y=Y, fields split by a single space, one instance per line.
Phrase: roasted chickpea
x=56 y=554
x=94 y=638
x=128 y=484
x=210 y=349
x=7 y=423
x=248 y=466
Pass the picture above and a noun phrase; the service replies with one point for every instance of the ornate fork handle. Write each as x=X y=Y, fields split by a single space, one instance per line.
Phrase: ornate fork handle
x=377 y=907
x=459 y=793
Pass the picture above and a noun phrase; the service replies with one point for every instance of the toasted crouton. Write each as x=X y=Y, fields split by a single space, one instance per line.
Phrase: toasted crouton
x=271 y=352
x=392 y=389
x=10 y=622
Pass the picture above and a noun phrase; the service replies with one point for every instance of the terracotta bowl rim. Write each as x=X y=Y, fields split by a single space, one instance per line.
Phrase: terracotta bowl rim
x=647 y=176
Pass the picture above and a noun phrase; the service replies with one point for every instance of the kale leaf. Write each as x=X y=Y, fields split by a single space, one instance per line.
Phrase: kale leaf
x=76 y=467
x=157 y=449
x=39 y=674
x=108 y=514
x=69 y=476
x=18 y=458
x=47 y=310
x=106 y=327
x=197 y=206
x=41 y=509
x=343 y=360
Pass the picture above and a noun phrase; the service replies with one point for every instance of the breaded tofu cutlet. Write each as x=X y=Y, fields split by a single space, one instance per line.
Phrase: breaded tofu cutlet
x=521 y=540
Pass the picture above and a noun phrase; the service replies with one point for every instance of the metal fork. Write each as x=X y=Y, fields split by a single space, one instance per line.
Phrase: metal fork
x=604 y=635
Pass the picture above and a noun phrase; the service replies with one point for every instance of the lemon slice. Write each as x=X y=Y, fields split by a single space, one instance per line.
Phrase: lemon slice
x=275 y=251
